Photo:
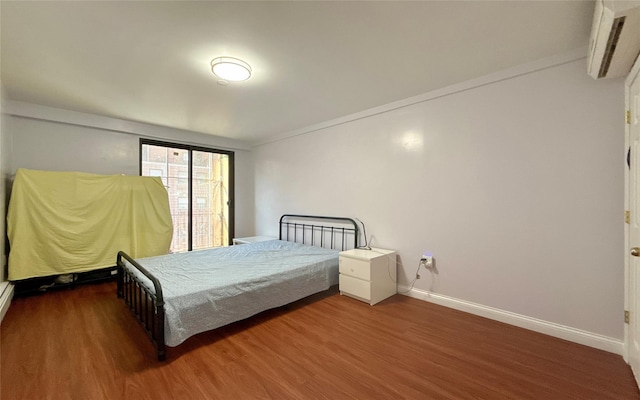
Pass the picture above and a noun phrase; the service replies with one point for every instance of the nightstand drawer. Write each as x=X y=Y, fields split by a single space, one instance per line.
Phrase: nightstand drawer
x=356 y=287
x=357 y=268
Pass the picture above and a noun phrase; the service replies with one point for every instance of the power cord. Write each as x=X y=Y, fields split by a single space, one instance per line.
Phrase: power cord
x=390 y=259
x=413 y=282
x=396 y=262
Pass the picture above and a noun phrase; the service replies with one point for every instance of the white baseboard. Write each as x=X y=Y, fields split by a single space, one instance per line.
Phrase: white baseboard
x=548 y=328
x=6 y=294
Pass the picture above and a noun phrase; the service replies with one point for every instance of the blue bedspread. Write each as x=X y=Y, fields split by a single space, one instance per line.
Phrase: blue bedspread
x=207 y=289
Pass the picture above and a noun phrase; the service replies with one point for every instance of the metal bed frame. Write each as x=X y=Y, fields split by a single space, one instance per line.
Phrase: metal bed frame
x=292 y=224
x=148 y=306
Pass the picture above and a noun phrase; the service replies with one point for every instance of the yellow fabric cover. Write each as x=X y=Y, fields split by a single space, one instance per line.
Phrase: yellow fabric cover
x=65 y=222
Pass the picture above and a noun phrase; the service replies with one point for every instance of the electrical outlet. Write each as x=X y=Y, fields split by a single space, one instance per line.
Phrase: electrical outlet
x=427 y=260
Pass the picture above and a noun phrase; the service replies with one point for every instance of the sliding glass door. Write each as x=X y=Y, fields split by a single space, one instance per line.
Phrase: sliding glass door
x=210 y=199
x=200 y=186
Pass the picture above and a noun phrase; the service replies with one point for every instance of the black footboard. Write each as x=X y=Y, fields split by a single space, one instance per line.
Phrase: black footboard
x=147 y=305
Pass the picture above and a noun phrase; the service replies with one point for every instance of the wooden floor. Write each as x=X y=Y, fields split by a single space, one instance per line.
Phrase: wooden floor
x=84 y=344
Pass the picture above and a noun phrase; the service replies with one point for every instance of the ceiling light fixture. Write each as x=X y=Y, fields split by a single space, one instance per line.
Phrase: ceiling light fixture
x=230 y=69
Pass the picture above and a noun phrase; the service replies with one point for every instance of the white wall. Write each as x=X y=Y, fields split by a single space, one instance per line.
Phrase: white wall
x=5 y=176
x=6 y=289
x=515 y=186
x=58 y=146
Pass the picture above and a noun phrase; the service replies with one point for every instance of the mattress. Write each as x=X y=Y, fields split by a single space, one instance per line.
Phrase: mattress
x=207 y=289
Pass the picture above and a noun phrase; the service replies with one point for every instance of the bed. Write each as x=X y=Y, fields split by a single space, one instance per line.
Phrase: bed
x=179 y=295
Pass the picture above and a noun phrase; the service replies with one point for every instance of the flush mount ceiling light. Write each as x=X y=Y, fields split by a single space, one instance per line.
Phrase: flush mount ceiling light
x=230 y=69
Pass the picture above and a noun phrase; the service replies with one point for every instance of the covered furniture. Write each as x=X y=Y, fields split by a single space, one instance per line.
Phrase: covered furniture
x=70 y=222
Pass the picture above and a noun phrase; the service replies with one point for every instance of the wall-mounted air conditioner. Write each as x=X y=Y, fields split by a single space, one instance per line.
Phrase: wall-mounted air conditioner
x=615 y=38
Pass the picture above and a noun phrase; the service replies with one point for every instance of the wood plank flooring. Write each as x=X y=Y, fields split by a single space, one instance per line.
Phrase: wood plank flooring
x=84 y=344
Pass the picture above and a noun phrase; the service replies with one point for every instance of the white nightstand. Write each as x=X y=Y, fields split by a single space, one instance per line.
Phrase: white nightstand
x=368 y=275
x=252 y=239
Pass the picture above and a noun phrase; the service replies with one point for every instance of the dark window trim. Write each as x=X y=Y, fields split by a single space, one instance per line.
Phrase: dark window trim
x=191 y=149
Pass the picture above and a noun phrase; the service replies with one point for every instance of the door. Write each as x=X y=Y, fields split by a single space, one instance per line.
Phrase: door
x=199 y=182
x=210 y=200
x=633 y=274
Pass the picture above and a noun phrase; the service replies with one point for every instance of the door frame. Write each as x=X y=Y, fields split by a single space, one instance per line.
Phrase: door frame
x=635 y=72
x=191 y=148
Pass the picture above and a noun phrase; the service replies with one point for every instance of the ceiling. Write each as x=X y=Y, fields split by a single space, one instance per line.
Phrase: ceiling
x=312 y=61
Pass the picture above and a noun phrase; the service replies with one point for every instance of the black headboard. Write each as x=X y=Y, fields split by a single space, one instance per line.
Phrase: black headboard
x=329 y=232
